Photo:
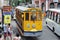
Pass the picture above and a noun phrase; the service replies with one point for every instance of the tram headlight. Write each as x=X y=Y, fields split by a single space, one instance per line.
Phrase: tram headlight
x=33 y=25
x=28 y=25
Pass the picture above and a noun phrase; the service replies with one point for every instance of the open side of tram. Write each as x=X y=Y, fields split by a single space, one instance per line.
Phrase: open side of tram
x=53 y=20
x=29 y=21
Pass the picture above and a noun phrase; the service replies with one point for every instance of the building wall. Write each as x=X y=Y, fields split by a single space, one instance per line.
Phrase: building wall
x=36 y=3
x=4 y=3
x=55 y=3
x=47 y=6
x=51 y=1
x=1 y=3
x=33 y=1
x=59 y=0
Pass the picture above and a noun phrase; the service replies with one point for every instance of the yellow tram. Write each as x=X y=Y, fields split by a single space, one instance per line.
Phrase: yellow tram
x=29 y=21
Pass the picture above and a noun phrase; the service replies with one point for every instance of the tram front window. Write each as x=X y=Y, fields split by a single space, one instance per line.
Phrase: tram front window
x=27 y=16
x=39 y=16
x=33 y=16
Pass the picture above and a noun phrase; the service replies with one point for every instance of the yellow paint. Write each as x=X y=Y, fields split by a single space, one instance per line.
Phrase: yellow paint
x=27 y=25
x=38 y=26
x=7 y=19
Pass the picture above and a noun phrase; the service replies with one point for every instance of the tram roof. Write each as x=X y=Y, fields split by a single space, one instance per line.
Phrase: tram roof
x=21 y=8
x=55 y=10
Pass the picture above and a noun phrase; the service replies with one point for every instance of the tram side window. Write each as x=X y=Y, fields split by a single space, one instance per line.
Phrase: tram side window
x=53 y=16
x=56 y=17
x=50 y=15
x=59 y=18
x=27 y=16
x=47 y=14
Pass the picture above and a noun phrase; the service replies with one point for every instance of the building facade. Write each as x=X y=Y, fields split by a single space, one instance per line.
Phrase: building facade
x=4 y=3
x=40 y=4
x=53 y=3
x=46 y=4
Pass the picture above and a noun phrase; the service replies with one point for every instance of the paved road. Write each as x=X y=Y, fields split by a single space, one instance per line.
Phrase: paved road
x=46 y=35
x=13 y=23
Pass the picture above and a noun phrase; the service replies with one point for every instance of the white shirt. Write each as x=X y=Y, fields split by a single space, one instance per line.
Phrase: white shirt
x=5 y=28
x=17 y=38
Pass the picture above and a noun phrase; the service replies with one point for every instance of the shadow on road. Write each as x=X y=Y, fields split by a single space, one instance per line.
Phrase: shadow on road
x=29 y=38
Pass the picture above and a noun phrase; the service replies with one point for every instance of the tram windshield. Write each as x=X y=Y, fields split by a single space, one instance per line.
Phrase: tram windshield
x=39 y=16
x=27 y=16
x=36 y=15
x=33 y=16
